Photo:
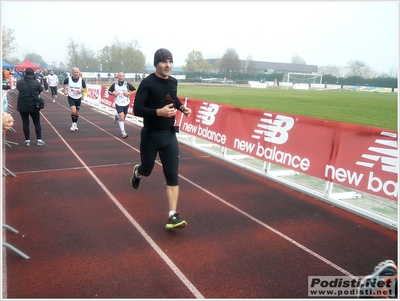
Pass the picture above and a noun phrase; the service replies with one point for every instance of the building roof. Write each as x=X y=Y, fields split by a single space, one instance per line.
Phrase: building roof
x=283 y=67
x=258 y=66
x=269 y=67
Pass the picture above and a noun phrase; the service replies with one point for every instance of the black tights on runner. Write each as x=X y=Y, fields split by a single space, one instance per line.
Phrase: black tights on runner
x=165 y=144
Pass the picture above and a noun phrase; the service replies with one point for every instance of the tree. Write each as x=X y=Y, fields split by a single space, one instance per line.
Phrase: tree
x=72 y=50
x=331 y=70
x=250 y=67
x=134 y=59
x=296 y=59
x=392 y=73
x=230 y=62
x=196 y=63
x=9 y=47
x=36 y=59
x=124 y=57
x=359 y=68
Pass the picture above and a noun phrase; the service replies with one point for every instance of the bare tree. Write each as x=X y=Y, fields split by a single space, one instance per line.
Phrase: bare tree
x=230 y=62
x=250 y=67
x=296 y=59
x=359 y=68
x=9 y=47
x=73 y=53
x=331 y=70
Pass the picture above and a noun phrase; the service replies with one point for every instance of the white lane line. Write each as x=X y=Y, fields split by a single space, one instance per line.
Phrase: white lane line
x=287 y=238
x=168 y=261
x=311 y=252
x=71 y=168
x=299 y=245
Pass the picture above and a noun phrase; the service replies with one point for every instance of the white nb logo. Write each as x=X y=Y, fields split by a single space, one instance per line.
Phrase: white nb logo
x=207 y=112
x=385 y=151
x=274 y=130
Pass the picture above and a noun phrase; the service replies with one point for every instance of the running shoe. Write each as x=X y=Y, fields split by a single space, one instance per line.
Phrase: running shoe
x=124 y=135
x=27 y=143
x=74 y=127
x=175 y=222
x=40 y=142
x=116 y=118
x=135 y=181
x=383 y=271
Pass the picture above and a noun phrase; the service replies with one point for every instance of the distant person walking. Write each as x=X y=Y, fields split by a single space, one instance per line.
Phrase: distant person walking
x=121 y=90
x=156 y=101
x=52 y=80
x=27 y=87
x=74 y=87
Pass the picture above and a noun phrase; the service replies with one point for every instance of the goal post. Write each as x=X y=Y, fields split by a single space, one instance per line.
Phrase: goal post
x=301 y=81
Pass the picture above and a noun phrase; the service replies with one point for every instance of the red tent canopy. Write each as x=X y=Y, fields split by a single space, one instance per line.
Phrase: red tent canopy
x=27 y=64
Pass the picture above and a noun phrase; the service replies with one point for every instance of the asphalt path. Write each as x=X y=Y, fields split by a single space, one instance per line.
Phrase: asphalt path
x=88 y=234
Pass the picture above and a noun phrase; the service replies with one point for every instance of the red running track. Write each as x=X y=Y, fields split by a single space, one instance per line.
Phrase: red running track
x=90 y=235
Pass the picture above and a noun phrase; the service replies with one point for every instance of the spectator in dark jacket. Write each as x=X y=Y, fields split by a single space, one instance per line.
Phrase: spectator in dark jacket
x=27 y=87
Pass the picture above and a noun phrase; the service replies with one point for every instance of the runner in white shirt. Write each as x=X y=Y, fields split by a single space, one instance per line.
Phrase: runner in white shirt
x=121 y=90
x=74 y=87
x=52 y=80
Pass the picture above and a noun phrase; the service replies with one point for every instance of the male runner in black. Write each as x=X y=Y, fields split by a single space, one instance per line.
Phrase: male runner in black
x=157 y=102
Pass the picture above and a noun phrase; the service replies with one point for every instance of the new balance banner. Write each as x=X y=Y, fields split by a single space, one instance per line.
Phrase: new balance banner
x=358 y=157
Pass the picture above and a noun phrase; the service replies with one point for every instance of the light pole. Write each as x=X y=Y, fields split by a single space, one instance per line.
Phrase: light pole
x=230 y=75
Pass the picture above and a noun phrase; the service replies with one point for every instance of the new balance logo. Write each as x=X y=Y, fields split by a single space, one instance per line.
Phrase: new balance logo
x=386 y=153
x=207 y=112
x=274 y=130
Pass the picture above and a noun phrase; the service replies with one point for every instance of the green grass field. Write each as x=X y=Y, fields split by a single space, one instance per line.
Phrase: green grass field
x=371 y=109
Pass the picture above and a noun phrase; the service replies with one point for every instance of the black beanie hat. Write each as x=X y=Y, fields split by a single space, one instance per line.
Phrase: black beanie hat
x=29 y=71
x=162 y=54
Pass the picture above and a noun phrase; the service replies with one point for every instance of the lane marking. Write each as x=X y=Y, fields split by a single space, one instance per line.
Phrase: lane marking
x=287 y=238
x=311 y=252
x=152 y=243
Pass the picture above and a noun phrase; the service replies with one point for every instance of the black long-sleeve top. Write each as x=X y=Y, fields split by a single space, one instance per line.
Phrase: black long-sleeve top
x=154 y=93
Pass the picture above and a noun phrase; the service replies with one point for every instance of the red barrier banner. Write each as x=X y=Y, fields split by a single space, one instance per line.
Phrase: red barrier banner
x=359 y=157
x=93 y=92
x=355 y=156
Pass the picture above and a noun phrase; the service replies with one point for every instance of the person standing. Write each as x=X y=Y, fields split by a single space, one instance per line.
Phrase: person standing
x=6 y=73
x=39 y=77
x=52 y=81
x=157 y=102
x=121 y=90
x=45 y=83
x=74 y=86
x=27 y=87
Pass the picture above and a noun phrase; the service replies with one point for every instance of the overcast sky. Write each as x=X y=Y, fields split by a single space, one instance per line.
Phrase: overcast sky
x=322 y=33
